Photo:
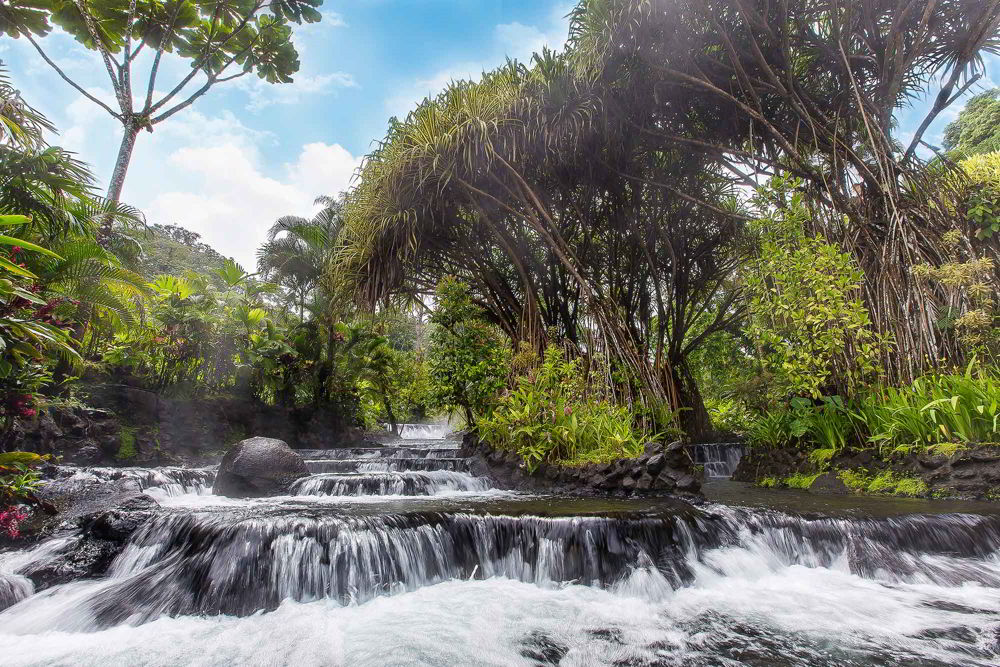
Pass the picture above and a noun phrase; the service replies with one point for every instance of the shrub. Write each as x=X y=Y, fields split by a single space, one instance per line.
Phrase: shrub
x=807 y=318
x=557 y=413
x=469 y=359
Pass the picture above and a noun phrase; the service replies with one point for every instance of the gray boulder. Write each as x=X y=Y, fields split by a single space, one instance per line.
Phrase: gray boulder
x=258 y=467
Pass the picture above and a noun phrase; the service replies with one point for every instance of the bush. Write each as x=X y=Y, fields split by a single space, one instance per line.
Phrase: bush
x=556 y=413
x=807 y=318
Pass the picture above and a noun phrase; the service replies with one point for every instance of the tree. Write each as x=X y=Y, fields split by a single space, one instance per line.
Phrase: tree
x=298 y=250
x=977 y=128
x=223 y=39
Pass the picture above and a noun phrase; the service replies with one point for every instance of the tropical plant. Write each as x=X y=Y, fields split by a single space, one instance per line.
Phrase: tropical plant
x=806 y=315
x=556 y=413
x=977 y=128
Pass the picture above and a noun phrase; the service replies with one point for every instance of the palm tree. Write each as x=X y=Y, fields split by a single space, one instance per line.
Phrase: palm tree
x=298 y=250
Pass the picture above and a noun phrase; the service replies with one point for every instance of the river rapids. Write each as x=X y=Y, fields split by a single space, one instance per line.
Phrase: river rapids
x=398 y=556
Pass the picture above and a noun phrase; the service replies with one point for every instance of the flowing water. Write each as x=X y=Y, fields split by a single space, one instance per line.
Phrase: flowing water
x=719 y=459
x=398 y=556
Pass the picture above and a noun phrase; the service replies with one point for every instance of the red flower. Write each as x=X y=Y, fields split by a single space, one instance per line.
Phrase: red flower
x=16 y=249
x=10 y=519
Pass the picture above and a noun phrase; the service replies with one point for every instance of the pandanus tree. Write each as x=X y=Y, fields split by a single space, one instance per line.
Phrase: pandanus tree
x=810 y=88
x=222 y=39
x=557 y=215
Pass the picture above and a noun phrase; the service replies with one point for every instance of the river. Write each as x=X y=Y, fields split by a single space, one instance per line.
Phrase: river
x=397 y=556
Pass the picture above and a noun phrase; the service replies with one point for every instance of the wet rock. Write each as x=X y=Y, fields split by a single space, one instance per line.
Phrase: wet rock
x=87 y=454
x=829 y=483
x=259 y=467
x=544 y=649
x=655 y=464
x=645 y=482
x=119 y=523
x=676 y=456
x=688 y=484
x=13 y=589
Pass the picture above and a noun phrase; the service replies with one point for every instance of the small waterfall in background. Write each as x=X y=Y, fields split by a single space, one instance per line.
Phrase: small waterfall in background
x=719 y=459
x=422 y=431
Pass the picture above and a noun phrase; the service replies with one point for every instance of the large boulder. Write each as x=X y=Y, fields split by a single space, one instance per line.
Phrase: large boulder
x=258 y=467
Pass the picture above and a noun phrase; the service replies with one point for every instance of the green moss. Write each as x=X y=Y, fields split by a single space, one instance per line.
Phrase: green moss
x=948 y=449
x=800 y=480
x=127 y=450
x=855 y=480
x=911 y=487
x=821 y=457
x=767 y=482
x=884 y=483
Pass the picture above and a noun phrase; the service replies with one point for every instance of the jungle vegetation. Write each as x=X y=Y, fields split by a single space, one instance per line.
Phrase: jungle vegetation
x=701 y=216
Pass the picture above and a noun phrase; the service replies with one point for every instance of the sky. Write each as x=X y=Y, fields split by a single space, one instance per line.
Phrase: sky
x=249 y=152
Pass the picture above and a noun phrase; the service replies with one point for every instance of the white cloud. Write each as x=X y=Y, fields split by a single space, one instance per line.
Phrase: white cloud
x=263 y=94
x=227 y=196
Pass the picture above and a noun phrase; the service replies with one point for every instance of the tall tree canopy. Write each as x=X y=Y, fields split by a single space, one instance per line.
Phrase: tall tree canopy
x=977 y=128
x=592 y=194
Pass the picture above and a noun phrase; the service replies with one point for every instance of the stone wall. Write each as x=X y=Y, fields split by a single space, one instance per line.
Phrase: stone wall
x=660 y=470
x=973 y=472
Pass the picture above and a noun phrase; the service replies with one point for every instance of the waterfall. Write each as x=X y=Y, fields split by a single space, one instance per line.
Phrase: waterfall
x=399 y=551
x=719 y=459
x=221 y=563
x=422 y=431
x=387 y=483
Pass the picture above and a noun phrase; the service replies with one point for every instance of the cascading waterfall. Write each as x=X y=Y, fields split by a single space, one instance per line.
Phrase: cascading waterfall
x=377 y=483
x=422 y=431
x=719 y=459
x=459 y=576
x=158 y=482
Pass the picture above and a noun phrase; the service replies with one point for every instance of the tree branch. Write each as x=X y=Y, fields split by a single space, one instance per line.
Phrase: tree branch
x=70 y=81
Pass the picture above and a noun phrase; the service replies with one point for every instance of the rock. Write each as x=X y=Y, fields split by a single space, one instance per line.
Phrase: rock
x=932 y=462
x=258 y=467
x=119 y=523
x=655 y=464
x=652 y=448
x=87 y=454
x=688 y=483
x=829 y=483
x=628 y=484
x=645 y=482
x=676 y=455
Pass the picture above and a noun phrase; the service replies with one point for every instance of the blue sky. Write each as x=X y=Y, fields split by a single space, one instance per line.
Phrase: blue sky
x=249 y=152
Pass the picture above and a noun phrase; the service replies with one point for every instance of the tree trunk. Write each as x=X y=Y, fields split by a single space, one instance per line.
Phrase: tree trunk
x=121 y=165
x=389 y=413
x=694 y=419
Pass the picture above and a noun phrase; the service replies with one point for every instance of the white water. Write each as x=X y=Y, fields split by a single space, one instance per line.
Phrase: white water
x=440 y=587
x=805 y=615
x=422 y=431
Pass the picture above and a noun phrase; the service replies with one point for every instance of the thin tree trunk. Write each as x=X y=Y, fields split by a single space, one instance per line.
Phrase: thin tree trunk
x=121 y=166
